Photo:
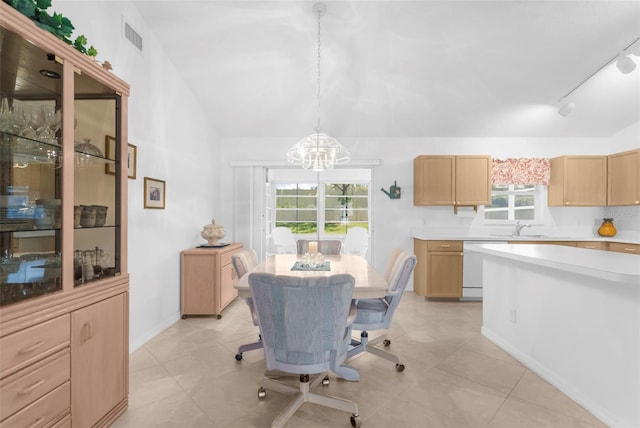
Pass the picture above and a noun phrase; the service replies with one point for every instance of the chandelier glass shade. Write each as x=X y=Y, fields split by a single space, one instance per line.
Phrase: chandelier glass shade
x=318 y=151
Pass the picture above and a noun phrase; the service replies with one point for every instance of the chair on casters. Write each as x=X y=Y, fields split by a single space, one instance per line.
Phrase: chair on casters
x=310 y=337
x=376 y=314
x=325 y=246
x=283 y=241
x=243 y=262
x=356 y=242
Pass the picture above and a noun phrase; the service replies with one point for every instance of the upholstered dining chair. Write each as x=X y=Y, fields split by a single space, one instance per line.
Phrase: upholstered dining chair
x=310 y=337
x=243 y=262
x=325 y=246
x=377 y=314
x=356 y=242
x=283 y=241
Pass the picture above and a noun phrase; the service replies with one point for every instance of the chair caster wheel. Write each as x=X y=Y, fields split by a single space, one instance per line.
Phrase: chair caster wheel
x=239 y=356
x=386 y=342
x=262 y=393
x=355 y=421
x=325 y=381
x=400 y=367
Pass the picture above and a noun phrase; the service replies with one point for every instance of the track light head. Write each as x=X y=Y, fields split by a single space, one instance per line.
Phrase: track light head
x=566 y=108
x=625 y=65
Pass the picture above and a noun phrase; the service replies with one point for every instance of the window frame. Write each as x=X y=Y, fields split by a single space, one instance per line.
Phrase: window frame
x=539 y=194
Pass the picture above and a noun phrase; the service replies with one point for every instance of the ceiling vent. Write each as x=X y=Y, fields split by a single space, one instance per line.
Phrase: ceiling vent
x=133 y=36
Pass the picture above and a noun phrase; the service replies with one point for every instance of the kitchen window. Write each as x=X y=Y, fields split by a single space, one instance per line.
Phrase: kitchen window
x=515 y=202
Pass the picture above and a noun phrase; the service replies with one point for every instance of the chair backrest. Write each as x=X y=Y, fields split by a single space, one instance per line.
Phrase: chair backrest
x=356 y=241
x=244 y=261
x=325 y=246
x=283 y=241
x=400 y=274
x=391 y=263
x=303 y=321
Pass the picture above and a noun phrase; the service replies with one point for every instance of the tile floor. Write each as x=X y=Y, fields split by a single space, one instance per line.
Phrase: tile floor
x=187 y=377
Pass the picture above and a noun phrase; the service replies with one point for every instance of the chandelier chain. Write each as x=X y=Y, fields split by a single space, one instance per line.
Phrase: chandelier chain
x=318 y=76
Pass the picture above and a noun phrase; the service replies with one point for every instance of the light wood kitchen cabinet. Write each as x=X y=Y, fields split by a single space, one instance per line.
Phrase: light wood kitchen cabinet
x=63 y=283
x=207 y=280
x=623 y=183
x=620 y=247
x=99 y=369
x=438 y=273
x=463 y=180
x=578 y=181
x=592 y=245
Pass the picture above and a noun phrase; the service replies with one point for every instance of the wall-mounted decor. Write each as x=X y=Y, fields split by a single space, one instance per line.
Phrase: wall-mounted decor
x=154 y=193
x=394 y=191
x=132 y=157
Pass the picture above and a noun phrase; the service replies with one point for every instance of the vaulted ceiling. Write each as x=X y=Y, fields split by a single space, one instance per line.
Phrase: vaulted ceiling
x=404 y=69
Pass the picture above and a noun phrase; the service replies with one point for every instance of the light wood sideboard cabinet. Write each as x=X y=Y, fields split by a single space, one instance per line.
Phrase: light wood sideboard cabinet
x=207 y=280
x=463 y=180
x=64 y=283
x=623 y=183
x=578 y=181
x=438 y=273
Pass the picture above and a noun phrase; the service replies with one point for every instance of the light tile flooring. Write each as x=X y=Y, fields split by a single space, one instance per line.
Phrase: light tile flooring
x=187 y=377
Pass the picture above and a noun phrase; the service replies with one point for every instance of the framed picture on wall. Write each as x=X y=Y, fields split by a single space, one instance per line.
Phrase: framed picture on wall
x=154 y=193
x=132 y=157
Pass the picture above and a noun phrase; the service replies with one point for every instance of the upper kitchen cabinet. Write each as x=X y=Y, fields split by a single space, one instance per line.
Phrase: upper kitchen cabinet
x=578 y=181
x=624 y=178
x=452 y=180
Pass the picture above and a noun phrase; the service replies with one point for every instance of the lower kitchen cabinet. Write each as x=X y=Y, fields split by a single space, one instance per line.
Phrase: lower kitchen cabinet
x=99 y=359
x=438 y=273
x=207 y=280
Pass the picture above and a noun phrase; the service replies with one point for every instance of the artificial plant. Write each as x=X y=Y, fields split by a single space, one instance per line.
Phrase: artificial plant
x=57 y=24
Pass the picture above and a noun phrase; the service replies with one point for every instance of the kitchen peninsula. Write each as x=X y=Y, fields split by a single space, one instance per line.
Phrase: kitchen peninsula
x=572 y=315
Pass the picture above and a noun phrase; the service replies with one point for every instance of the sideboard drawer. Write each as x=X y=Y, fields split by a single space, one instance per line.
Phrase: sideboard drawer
x=26 y=386
x=444 y=245
x=624 y=248
x=44 y=411
x=27 y=346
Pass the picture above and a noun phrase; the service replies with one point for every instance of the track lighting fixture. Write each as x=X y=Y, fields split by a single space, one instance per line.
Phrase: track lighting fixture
x=566 y=108
x=623 y=62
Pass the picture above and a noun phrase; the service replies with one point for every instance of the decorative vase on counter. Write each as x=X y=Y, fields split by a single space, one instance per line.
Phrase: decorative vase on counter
x=213 y=233
x=607 y=228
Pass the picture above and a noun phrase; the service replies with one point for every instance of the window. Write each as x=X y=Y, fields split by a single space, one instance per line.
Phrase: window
x=513 y=202
x=332 y=201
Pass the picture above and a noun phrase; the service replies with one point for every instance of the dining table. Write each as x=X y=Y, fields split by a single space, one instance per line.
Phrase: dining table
x=369 y=283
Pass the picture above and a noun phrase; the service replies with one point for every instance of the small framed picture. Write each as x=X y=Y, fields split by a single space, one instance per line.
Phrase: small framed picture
x=154 y=193
x=132 y=157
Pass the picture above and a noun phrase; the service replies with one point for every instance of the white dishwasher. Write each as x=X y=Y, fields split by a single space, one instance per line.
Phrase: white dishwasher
x=472 y=272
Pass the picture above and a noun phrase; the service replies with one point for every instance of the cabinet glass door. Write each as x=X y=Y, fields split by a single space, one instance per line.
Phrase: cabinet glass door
x=30 y=170
x=96 y=181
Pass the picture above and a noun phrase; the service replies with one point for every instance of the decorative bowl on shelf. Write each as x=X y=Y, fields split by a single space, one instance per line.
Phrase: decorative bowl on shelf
x=213 y=233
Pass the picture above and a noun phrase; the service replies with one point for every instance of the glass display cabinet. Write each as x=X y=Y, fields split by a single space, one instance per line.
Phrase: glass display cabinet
x=63 y=270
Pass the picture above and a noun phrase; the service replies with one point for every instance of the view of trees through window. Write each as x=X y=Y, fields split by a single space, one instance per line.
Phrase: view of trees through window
x=511 y=202
x=334 y=207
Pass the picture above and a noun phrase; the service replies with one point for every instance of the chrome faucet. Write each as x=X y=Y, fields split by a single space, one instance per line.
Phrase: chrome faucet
x=518 y=228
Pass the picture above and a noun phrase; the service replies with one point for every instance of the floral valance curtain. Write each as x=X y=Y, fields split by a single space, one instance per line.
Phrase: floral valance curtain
x=521 y=171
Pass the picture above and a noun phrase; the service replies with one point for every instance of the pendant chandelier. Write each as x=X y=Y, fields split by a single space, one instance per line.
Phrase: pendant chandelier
x=318 y=151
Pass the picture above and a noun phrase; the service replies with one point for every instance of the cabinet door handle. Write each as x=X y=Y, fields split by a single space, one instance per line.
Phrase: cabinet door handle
x=445 y=246
x=31 y=348
x=30 y=388
x=87 y=331
x=37 y=422
x=631 y=250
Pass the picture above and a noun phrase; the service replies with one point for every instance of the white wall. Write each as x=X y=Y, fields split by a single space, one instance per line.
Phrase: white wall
x=175 y=144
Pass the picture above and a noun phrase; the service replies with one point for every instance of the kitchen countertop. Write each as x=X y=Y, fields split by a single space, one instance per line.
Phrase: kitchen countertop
x=617 y=267
x=430 y=235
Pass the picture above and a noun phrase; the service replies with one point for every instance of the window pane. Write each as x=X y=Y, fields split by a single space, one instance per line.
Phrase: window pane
x=499 y=187
x=526 y=214
x=499 y=201
x=523 y=201
x=496 y=215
